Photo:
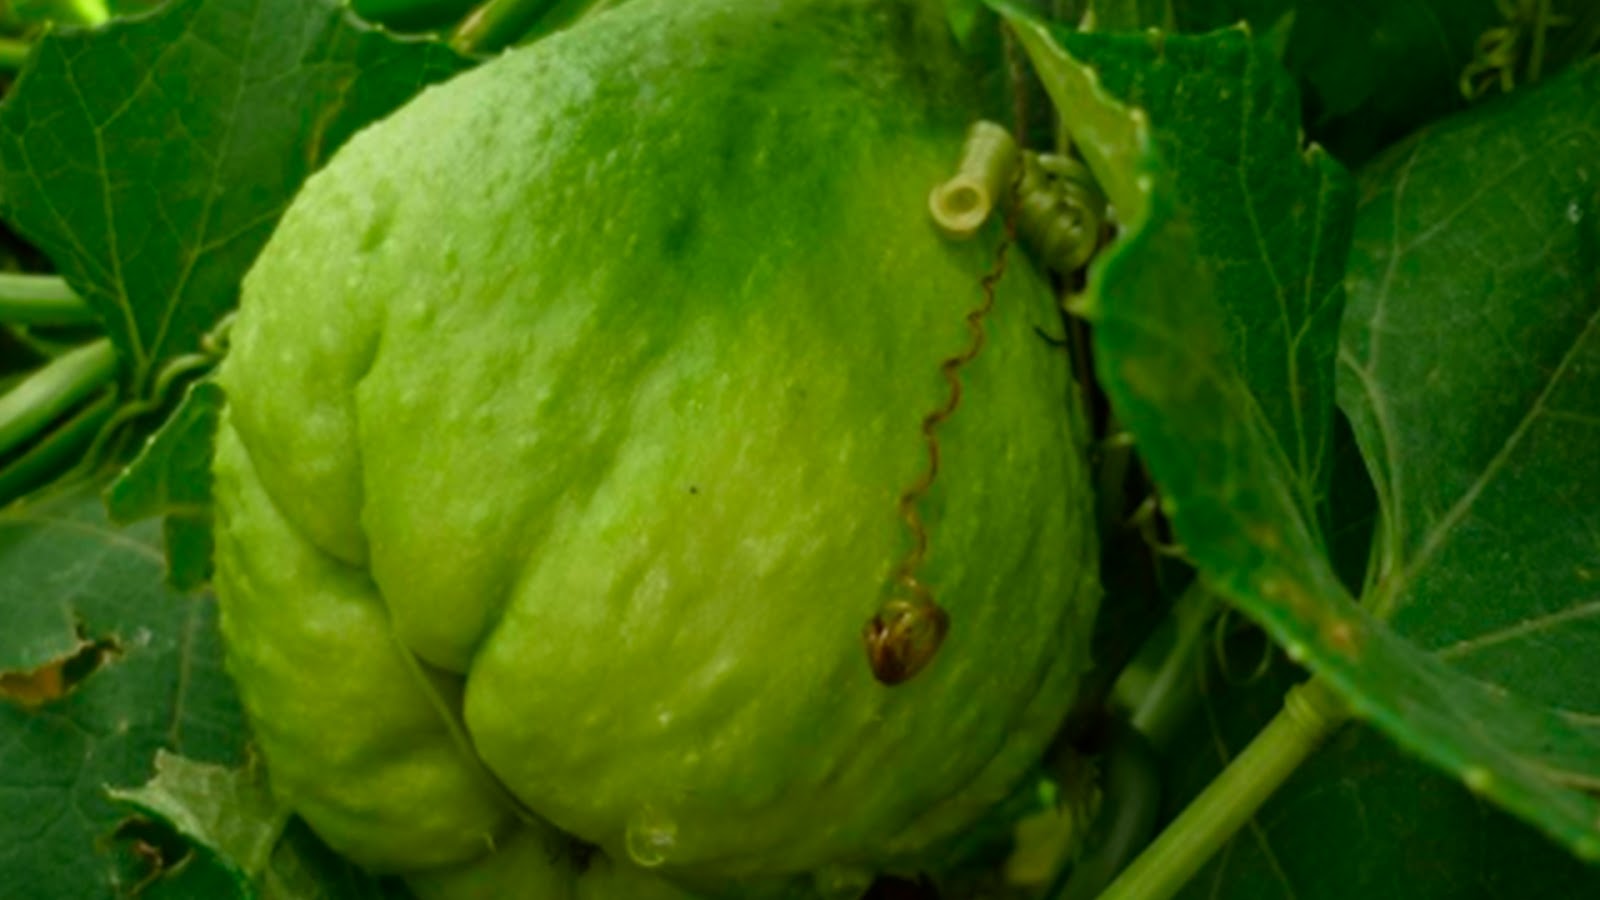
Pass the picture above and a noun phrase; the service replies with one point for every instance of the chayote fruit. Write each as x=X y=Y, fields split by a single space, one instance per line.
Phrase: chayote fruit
x=572 y=412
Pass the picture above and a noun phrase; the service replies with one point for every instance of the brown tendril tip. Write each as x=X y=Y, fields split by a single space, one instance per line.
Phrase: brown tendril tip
x=902 y=639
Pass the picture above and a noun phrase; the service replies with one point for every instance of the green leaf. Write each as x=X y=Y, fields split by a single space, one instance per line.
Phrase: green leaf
x=1271 y=223
x=249 y=845
x=196 y=878
x=1360 y=819
x=1229 y=484
x=1471 y=373
x=119 y=667
x=171 y=477
x=226 y=810
x=151 y=158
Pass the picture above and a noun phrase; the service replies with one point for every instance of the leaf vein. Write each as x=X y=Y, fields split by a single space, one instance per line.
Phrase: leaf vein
x=212 y=192
x=1439 y=534
x=1465 y=648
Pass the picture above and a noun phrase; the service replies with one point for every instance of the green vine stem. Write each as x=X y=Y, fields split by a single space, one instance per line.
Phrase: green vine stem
x=13 y=53
x=1159 y=698
x=1311 y=712
x=167 y=379
x=1542 y=20
x=52 y=390
x=51 y=453
x=1132 y=804
x=497 y=24
x=411 y=15
x=40 y=299
x=88 y=13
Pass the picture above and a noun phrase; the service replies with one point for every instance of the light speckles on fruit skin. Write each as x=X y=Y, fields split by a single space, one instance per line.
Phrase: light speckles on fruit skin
x=677 y=246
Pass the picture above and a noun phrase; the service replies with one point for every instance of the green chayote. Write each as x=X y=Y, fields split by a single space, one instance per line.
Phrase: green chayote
x=572 y=416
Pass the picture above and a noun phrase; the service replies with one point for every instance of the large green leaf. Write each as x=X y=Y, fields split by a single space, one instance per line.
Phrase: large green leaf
x=151 y=158
x=1169 y=365
x=1471 y=373
x=1272 y=227
x=103 y=666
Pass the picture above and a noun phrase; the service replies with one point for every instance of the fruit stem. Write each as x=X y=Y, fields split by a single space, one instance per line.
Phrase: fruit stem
x=40 y=299
x=53 y=389
x=1311 y=711
x=989 y=158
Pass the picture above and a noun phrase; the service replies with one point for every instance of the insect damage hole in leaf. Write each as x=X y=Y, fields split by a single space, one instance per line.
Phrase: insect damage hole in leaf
x=158 y=848
x=228 y=814
x=38 y=687
x=69 y=583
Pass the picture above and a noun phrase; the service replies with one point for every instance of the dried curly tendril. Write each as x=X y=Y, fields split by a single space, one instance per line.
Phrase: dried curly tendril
x=1058 y=209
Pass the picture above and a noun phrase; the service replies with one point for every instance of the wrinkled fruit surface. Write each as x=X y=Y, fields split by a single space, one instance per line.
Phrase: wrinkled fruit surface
x=569 y=410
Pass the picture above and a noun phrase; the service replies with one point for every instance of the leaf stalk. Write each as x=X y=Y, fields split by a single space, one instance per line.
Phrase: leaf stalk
x=52 y=453
x=498 y=24
x=1311 y=712
x=40 y=299
x=13 y=53
x=52 y=390
x=1160 y=701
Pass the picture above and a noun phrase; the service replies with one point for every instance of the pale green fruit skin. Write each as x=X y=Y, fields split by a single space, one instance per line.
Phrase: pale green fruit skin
x=570 y=407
